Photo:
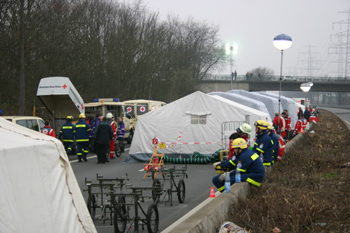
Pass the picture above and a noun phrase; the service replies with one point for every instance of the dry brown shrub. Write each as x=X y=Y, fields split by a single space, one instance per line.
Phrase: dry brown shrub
x=307 y=189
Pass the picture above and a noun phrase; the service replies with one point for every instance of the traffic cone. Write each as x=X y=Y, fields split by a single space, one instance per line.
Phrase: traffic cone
x=302 y=130
x=212 y=193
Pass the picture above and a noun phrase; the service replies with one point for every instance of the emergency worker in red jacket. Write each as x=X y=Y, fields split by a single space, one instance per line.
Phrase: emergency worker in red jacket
x=111 y=121
x=243 y=131
x=48 y=130
x=288 y=121
x=300 y=125
x=278 y=123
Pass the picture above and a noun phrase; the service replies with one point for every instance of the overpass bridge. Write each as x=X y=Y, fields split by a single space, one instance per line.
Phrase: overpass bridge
x=225 y=85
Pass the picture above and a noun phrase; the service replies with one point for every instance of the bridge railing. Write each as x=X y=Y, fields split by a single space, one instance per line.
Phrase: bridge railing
x=217 y=77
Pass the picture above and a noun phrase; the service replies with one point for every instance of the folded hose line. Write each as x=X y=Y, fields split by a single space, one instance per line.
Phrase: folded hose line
x=196 y=158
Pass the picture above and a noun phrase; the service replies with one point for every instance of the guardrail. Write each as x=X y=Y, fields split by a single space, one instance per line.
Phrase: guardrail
x=274 y=78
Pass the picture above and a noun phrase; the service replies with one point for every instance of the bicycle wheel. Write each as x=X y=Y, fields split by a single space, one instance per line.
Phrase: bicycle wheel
x=181 y=191
x=118 y=152
x=91 y=205
x=156 y=193
x=152 y=219
x=119 y=217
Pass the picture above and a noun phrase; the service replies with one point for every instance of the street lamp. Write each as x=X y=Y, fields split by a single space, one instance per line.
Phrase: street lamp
x=281 y=42
x=305 y=87
x=230 y=50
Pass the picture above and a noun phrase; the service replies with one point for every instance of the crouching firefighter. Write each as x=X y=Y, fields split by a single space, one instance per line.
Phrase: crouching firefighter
x=252 y=169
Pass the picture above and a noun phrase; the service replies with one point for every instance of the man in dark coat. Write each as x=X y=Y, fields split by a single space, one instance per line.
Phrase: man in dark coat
x=103 y=136
x=307 y=114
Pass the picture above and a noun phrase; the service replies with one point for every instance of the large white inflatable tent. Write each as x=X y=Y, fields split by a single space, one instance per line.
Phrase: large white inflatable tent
x=255 y=104
x=38 y=190
x=270 y=102
x=287 y=103
x=192 y=123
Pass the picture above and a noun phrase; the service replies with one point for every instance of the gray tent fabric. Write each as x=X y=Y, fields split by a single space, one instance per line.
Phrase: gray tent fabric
x=270 y=102
x=287 y=103
x=255 y=104
x=189 y=124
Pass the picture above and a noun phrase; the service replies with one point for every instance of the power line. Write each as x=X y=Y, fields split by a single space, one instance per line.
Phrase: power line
x=346 y=44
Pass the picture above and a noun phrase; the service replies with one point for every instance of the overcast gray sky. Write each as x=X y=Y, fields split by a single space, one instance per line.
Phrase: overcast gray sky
x=253 y=24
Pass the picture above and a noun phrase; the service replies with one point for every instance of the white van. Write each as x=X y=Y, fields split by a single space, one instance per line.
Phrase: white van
x=30 y=122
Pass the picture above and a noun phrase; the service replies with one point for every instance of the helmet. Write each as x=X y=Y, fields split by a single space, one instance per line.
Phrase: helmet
x=239 y=143
x=245 y=128
x=269 y=126
x=109 y=115
x=261 y=124
x=70 y=117
x=220 y=170
x=82 y=115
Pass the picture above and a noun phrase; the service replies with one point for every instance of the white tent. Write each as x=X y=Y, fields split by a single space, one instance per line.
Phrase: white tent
x=38 y=189
x=287 y=103
x=255 y=104
x=192 y=123
x=270 y=102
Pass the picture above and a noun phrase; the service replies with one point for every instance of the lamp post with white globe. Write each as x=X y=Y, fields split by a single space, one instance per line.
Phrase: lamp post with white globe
x=281 y=42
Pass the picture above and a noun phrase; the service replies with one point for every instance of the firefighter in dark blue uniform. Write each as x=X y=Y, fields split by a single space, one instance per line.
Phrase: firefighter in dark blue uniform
x=275 y=143
x=252 y=169
x=67 y=133
x=263 y=145
x=82 y=137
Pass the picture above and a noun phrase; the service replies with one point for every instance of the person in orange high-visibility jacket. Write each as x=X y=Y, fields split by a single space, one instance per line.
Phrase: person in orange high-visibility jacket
x=111 y=121
x=82 y=130
x=48 y=130
x=300 y=125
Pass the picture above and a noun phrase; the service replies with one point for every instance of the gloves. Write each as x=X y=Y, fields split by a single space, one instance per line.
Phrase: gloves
x=222 y=177
x=215 y=164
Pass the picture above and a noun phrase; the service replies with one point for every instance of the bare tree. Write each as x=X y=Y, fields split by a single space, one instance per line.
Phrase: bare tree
x=262 y=73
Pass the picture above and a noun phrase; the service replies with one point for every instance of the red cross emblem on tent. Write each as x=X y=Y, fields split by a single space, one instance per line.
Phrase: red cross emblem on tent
x=64 y=86
x=128 y=109
x=142 y=109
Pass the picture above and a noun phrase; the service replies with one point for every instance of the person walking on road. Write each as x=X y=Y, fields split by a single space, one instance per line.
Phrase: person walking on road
x=103 y=136
x=82 y=137
x=251 y=167
x=121 y=133
x=67 y=133
x=48 y=130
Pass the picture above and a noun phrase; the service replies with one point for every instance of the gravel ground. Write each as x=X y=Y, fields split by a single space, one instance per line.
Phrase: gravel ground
x=308 y=191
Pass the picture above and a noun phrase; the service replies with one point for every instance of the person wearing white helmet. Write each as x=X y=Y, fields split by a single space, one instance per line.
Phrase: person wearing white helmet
x=111 y=121
x=82 y=129
x=243 y=131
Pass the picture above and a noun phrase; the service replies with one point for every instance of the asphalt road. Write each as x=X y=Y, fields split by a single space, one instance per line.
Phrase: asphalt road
x=341 y=112
x=198 y=185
